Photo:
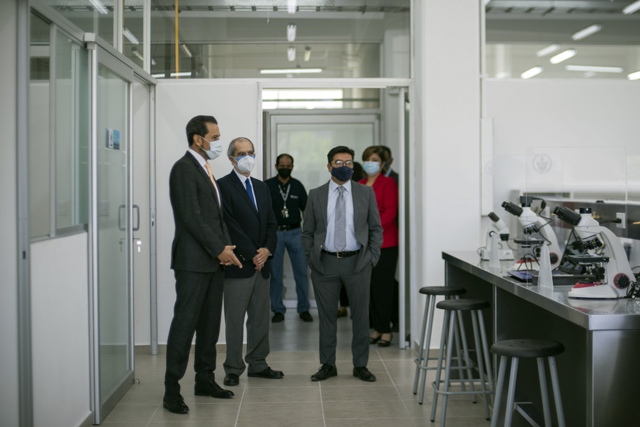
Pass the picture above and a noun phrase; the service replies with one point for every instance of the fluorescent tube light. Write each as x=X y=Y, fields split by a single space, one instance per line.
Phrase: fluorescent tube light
x=586 y=32
x=634 y=76
x=291 y=71
x=187 y=73
x=291 y=33
x=186 y=50
x=631 y=8
x=291 y=54
x=157 y=75
x=531 y=72
x=307 y=53
x=593 y=68
x=547 y=50
x=292 y=6
x=153 y=61
x=136 y=53
x=128 y=34
x=589 y=74
x=563 y=56
x=99 y=6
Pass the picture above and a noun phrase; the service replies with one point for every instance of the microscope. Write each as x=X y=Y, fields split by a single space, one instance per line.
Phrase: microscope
x=532 y=224
x=605 y=258
x=500 y=228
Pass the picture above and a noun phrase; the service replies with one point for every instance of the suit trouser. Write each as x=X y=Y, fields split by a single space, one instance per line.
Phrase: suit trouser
x=382 y=287
x=250 y=296
x=197 y=310
x=338 y=272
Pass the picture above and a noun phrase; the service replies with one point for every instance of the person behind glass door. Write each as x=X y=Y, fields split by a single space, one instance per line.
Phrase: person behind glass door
x=201 y=247
x=383 y=275
x=386 y=166
x=342 y=238
x=289 y=199
x=252 y=227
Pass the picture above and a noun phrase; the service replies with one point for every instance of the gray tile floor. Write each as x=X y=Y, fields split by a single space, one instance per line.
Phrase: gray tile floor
x=295 y=400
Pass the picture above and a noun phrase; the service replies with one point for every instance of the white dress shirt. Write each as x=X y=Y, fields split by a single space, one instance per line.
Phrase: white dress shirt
x=352 y=242
x=242 y=180
x=203 y=163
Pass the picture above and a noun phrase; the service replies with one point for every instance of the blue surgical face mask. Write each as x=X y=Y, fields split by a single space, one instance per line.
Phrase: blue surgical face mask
x=371 y=168
x=342 y=173
x=214 y=150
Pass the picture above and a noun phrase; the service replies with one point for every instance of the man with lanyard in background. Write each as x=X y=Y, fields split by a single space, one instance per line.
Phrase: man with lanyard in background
x=289 y=199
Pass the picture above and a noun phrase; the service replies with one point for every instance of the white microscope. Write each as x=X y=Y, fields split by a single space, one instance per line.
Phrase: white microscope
x=606 y=259
x=501 y=229
x=533 y=223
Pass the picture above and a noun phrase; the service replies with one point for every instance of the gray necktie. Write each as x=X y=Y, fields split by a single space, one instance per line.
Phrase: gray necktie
x=340 y=239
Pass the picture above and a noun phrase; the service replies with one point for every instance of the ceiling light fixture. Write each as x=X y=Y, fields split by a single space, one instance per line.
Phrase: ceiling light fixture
x=99 y=6
x=153 y=61
x=589 y=74
x=292 y=6
x=531 y=72
x=563 y=56
x=595 y=69
x=486 y=2
x=631 y=8
x=634 y=76
x=586 y=32
x=291 y=54
x=157 y=75
x=547 y=50
x=136 y=53
x=291 y=33
x=187 y=73
x=307 y=53
x=186 y=50
x=291 y=71
x=128 y=34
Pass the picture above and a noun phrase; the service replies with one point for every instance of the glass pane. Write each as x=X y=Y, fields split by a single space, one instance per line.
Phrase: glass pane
x=72 y=132
x=39 y=133
x=92 y=16
x=352 y=39
x=113 y=223
x=133 y=32
x=309 y=144
x=310 y=99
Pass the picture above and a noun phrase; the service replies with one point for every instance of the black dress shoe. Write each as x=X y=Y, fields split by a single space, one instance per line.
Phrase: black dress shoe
x=306 y=316
x=325 y=372
x=267 y=373
x=175 y=404
x=212 y=389
x=277 y=318
x=231 y=379
x=364 y=374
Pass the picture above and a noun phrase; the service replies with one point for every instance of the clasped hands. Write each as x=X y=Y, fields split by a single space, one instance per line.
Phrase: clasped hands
x=260 y=258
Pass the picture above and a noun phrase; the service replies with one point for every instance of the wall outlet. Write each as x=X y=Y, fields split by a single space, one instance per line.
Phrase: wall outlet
x=623 y=220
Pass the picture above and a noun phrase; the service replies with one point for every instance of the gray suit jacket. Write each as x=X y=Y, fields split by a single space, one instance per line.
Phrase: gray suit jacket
x=366 y=221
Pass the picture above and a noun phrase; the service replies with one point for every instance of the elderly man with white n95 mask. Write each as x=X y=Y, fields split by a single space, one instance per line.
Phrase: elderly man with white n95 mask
x=252 y=228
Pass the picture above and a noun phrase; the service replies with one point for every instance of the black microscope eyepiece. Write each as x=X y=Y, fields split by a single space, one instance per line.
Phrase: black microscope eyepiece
x=512 y=208
x=567 y=215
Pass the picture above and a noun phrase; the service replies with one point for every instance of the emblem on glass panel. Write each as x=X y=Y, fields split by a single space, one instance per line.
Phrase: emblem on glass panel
x=542 y=163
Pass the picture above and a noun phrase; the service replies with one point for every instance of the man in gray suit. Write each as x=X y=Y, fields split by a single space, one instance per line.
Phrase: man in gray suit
x=342 y=237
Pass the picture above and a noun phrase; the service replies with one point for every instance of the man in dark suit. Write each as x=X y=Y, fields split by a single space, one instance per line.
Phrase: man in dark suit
x=252 y=226
x=342 y=237
x=201 y=246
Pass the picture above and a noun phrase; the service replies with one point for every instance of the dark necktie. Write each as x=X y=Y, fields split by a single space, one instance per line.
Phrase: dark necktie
x=247 y=184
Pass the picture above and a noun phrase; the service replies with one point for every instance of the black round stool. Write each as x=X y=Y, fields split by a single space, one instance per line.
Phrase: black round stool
x=474 y=307
x=539 y=349
x=427 y=326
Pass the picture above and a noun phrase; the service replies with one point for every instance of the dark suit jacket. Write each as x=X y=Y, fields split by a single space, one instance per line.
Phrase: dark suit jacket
x=201 y=233
x=249 y=229
x=366 y=221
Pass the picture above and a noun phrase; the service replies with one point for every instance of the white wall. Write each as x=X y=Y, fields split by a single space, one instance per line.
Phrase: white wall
x=60 y=331
x=447 y=114
x=234 y=104
x=8 y=220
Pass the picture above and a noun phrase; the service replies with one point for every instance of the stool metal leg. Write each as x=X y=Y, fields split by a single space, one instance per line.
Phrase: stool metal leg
x=459 y=356
x=434 y=404
x=425 y=361
x=475 y=314
x=512 y=391
x=556 y=390
x=485 y=349
x=496 y=404
x=420 y=350
x=543 y=392
x=447 y=377
x=467 y=359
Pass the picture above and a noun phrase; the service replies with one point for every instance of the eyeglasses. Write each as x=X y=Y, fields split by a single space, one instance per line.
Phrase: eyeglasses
x=340 y=163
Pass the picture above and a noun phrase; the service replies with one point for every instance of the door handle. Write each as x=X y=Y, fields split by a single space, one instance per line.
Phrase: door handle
x=137 y=227
x=120 y=227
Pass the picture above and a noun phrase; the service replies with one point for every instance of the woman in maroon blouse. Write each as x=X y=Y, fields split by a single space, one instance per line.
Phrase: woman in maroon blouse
x=384 y=273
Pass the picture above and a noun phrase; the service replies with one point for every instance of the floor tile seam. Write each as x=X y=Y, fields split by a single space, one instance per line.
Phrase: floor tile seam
x=153 y=415
x=240 y=406
x=406 y=408
x=324 y=418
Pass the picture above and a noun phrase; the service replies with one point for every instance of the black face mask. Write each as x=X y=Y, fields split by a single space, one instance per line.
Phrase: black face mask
x=284 y=173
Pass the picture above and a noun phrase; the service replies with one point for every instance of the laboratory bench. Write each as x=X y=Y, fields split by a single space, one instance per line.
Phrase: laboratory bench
x=600 y=370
